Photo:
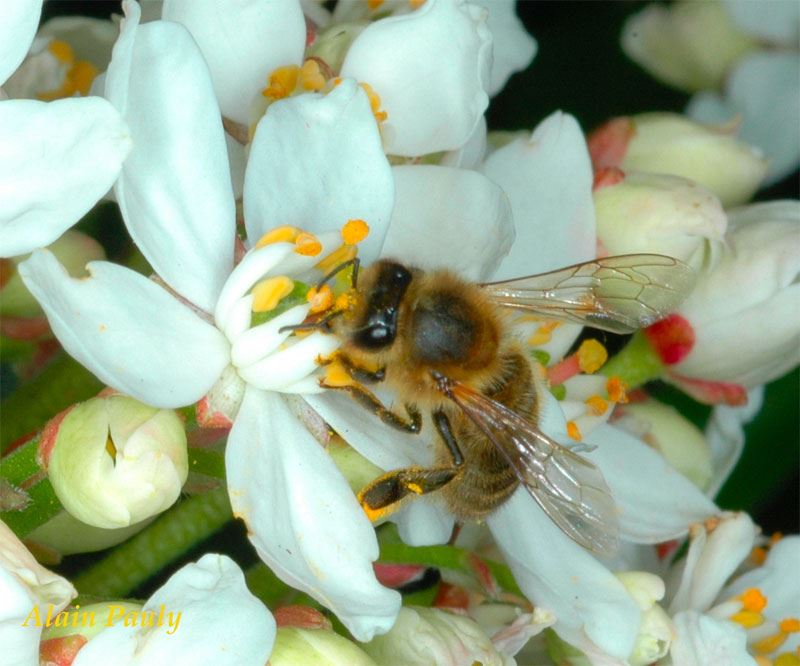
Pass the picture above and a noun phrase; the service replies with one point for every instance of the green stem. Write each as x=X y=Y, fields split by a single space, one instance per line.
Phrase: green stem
x=129 y=565
x=637 y=363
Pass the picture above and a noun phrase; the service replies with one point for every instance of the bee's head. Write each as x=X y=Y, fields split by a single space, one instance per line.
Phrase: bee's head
x=383 y=291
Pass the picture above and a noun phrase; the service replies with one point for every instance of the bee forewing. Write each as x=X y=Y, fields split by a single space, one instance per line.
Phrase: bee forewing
x=570 y=489
x=618 y=294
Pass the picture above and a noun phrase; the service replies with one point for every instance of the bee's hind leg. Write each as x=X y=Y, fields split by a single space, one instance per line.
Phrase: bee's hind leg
x=383 y=495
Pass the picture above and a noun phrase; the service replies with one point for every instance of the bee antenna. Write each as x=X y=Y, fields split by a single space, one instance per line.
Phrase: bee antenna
x=322 y=324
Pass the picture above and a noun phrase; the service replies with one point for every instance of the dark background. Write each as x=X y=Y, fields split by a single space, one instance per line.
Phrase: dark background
x=580 y=68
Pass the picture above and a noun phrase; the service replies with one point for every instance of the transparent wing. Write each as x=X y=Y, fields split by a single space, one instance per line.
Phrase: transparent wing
x=618 y=294
x=570 y=489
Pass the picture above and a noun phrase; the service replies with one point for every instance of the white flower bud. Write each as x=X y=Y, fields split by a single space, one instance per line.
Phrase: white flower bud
x=647 y=212
x=669 y=143
x=680 y=441
x=67 y=535
x=744 y=312
x=689 y=45
x=27 y=592
x=114 y=461
x=74 y=250
x=294 y=645
x=427 y=636
x=656 y=631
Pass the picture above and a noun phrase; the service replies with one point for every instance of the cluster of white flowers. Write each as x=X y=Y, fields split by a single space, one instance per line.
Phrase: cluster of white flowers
x=253 y=146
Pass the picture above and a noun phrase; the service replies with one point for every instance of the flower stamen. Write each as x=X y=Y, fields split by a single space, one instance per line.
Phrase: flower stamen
x=591 y=356
x=284 y=234
x=307 y=244
x=268 y=293
x=354 y=231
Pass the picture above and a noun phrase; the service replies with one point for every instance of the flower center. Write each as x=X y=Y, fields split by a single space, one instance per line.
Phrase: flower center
x=78 y=75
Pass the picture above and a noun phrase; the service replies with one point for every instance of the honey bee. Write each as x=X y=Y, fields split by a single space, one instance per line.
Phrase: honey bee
x=445 y=347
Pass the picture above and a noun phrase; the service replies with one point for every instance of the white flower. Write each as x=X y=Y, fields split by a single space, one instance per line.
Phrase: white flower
x=429 y=69
x=215 y=619
x=722 y=621
x=26 y=590
x=56 y=159
x=553 y=230
x=744 y=312
x=316 y=162
x=114 y=461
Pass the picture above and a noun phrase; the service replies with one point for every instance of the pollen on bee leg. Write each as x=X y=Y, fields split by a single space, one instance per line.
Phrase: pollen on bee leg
x=591 y=356
x=320 y=299
x=284 y=234
x=268 y=293
x=307 y=244
x=354 y=231
x=574 y=431
x=336 y=375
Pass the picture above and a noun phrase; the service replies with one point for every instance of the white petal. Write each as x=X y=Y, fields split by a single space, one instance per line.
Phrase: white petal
x=18 y=22
x=302 y=516
x=25 y=587
x=702 y=640
x=776 y=579
x=424 y=522
x=555 y=573
x=175 y=189
x=220 y=622
x=471 y=154
x=430 y=69
x=548 y=179
x=765 y=89
x=56 y=160
x=512 y=47
x=315 y=163
x=655 y=504
x=711 y=560
x=779 y=24
x=725 y=436
x=449 y=218
x=242 y=42
x=129 y=331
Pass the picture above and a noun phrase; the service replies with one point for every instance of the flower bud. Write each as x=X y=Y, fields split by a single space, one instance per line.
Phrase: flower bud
x=675 y=437
x=73 y=250
x=294 y=645
x=669 y=143
x=689 y=45
x=744 y=312
x=114 y=461
x=28 y=592
x=427 y=636
x=662 y=214
x=656 y=632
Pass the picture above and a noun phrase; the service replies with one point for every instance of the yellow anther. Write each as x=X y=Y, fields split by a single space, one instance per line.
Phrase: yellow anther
x=617 y=390
x=597 y=404
x=761 y=660
x=788 y=659
x=374 y=102
x=321 y=299
x=311 y=77
x=337 y=257
x=337 y=375
x=574 y=431
x=82 y=75
x=753 y=600
x=354 y=231
x=748 y=619
x=110 y=448
x=268 y=293
x=374 y=4
x=62 y=51
x=543 y=334
x=790 y=625
x=776 y=536
x=282 y=82
x=307 y=244
x=284 y=234
x=758 y=555
x=416 y=4
x=770 y=643
x=414 y=488
x=591 y=356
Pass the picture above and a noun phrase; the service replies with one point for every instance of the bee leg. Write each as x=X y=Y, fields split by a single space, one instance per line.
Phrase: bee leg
x=412 y=423
x=383 y=495
x=361 y=374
